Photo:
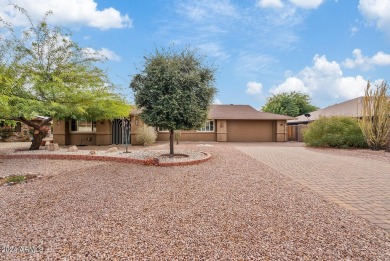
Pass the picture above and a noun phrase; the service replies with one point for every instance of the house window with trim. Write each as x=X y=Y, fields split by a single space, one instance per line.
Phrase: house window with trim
x=161 y=129
x=207 y=127
x=83 y=126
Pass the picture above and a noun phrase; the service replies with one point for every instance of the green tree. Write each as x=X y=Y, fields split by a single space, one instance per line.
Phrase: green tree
x=375 y=122
x=174 y=90
x=44 y=72
x=289 y=103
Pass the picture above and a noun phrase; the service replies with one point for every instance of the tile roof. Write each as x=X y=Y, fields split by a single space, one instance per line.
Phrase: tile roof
x=352 y=108
x=242 y=112
x=235 y=112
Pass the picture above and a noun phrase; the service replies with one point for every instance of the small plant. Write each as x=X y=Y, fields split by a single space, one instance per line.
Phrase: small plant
x=15 y=179
x=337 y=131
x=6 y=132
x=146 y=135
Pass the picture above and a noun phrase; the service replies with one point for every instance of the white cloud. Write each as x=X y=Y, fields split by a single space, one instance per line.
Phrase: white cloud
x=204 y=9
x=367 y=63
x=307 y=4
x=253 y=88
x=110 y=55
x=252 y=64
x=215 y=50
x=291 y=84
x=324 y=81
x=381 y=59
x=102 y=53
x=66 y=12
x=354 y=30
x=270 y=3
x=217 y=101
x=377 y=12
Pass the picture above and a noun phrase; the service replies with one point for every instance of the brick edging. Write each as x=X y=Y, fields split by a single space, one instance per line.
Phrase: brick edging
x=148 y=162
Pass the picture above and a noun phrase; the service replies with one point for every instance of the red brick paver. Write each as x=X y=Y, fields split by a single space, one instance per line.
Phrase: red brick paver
x=358 y=184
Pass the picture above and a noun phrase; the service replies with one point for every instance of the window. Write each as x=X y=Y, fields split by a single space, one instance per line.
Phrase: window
x=83 y=126
x=207 y=127
x=162 y=130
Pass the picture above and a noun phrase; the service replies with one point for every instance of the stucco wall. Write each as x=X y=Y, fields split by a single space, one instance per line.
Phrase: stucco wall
x=61 y=132
x=103 y=133
x=63 y=136
x=190 y=136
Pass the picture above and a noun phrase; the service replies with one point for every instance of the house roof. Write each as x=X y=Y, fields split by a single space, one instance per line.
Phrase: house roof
x=242 y=112
x=351 y=108
x=236 y=112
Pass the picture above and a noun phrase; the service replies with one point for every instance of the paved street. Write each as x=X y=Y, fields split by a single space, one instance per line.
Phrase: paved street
x=361 y=185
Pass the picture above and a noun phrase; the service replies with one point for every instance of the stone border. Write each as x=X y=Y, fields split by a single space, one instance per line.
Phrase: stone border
x=147 y=162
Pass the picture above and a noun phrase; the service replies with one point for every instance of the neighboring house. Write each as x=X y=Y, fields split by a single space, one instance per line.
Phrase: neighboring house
x=225 y=123
x=350 y=108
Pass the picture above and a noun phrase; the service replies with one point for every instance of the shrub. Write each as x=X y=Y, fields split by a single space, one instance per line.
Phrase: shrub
x=6 y=132
x=375 y=123
x=336 y=131
x=145 y=135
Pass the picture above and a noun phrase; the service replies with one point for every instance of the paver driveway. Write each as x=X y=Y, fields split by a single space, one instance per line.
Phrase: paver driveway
x=358 y=184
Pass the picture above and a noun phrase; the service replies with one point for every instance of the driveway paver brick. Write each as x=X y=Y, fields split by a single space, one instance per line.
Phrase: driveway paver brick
x=358 y=184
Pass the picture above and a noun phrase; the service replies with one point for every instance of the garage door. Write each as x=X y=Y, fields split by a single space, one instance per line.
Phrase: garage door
x=242 y=130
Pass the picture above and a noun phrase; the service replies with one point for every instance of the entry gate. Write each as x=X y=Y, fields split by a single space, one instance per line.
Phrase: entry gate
x=121 y=131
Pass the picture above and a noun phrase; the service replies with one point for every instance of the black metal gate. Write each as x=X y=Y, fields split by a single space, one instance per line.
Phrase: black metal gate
x=121 y=131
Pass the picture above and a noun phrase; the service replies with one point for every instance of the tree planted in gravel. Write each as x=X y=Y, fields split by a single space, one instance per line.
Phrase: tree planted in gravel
x=174 y=90
x=44 y=72
x=375 y=122
x=289 y=103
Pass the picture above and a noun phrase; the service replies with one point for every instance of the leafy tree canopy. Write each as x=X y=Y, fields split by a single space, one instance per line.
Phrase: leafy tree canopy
x=289 y=103
x=174 y=89
x=43 y=72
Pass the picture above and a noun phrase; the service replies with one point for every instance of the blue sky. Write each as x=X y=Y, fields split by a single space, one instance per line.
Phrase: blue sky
x=326 y=48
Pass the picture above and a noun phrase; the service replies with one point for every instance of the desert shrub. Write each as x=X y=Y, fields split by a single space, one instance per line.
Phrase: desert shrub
x=336 y=131
x=146 y=135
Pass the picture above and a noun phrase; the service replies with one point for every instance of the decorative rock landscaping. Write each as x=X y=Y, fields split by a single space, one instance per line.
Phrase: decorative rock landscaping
x=144 y=157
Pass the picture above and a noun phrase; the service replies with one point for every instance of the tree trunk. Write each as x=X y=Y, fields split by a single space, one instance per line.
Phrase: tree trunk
x=171 y=137
x=38 y=136
x=40 y=130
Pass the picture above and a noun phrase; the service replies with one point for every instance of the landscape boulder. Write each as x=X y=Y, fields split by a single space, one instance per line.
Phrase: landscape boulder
x=53 y=146
x=112 y=150
x=73 y=149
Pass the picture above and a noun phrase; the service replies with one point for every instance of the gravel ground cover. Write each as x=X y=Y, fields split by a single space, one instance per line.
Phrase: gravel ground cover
x=158 y=150
x=231 y=207
x=134 y=154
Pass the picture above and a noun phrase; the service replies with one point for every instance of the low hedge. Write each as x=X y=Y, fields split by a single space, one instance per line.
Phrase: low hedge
x=335 y=131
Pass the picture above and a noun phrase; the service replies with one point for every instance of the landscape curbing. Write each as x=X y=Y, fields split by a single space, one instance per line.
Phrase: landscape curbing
x=147 y=162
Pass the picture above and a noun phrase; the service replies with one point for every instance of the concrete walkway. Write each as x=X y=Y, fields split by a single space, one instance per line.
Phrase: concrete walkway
x=358 y=184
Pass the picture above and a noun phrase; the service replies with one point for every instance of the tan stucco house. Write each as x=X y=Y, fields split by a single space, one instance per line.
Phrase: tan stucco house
x=225 y=123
